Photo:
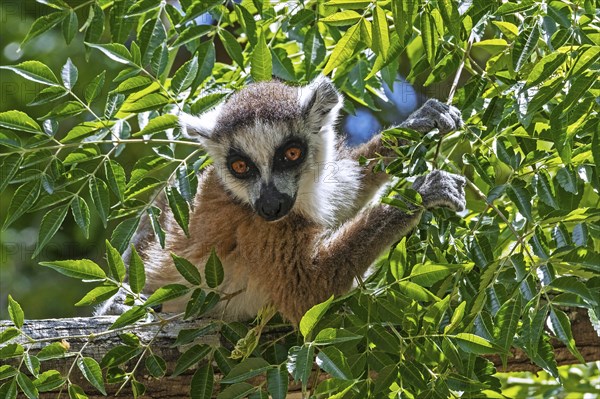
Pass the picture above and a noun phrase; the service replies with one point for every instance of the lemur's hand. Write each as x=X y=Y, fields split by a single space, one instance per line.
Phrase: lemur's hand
x=434 y=114
x=441 y=188
x=116 y=304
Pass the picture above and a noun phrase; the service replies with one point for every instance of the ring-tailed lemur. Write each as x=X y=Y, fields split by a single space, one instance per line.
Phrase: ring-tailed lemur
x=284 y=203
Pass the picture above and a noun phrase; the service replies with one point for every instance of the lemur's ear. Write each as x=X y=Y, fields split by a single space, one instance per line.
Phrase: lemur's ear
x=199 y=128
x=320 y=102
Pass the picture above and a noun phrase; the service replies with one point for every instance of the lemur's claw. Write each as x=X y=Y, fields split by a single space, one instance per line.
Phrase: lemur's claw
x=441 y=188
x=434 y=114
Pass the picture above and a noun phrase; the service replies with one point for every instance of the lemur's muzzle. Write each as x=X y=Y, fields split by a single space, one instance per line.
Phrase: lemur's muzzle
x=272 y=204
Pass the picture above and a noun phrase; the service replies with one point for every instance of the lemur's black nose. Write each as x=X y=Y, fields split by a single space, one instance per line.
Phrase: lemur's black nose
x=272 y=204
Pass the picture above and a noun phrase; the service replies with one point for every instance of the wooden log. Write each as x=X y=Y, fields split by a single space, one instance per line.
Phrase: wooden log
x=76 y=332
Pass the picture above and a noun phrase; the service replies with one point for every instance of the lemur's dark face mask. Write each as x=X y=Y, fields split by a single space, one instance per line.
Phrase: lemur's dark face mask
x=272 y=197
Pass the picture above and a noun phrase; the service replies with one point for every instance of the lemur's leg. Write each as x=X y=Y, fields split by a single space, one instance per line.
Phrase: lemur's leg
x=348 y=251
x=433 y=114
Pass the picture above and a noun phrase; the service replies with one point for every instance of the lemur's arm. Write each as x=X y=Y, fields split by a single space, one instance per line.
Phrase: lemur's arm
x=349 y=250
x=433 y=114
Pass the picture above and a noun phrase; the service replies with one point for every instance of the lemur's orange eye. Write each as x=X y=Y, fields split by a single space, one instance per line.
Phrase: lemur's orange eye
x=293 y=153
x=240 y=167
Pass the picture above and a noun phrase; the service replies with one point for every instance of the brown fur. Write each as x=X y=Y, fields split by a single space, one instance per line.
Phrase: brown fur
x=293 y=263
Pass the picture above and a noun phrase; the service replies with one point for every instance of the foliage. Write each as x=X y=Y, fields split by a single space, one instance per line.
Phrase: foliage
x=460 y=287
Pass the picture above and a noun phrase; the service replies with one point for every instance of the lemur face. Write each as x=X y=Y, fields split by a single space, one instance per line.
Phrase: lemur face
x=267 y=140
x=267 y=178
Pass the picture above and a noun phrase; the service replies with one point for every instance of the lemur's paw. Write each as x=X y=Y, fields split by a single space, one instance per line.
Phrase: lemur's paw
x=441 y=188
x=434 y=114
x=116 y=305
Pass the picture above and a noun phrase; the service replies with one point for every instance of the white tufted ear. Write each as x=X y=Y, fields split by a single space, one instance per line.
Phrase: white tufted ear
x=320 y=102
x=200 y=128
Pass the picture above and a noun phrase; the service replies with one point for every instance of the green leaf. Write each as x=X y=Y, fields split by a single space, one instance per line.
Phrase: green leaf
x=94 y=23
x=191 y=33
x=213 y=270
x=344 y=49
x=133 y=84
x=428 y=274
x=11 y=350
x=146 y=103
x=261 y=65
x=98 y=295
x=8 y=168
x=232 y=47
x=524 y=46
x=381 y=38
x=299 y=363
x=159 y=124
x=27 y=386
x=201 y=386
x=43 y=24
x=519 y=195
x=574 y=285
x=91 y=371
x=237 y=391
x=595 y=148
x=156 y=365
x=69 y=26
x=545 y=189
x=198 y=8
x=507 y=321
x=65 y=110
x=544 y=68
x=116 y=266
x=277 y=382
x=51 y=222
x=429 y=37
x=83 y=269
x=34 y=71
x=81 y=214
x=129 y=317
x=53 y=351
x=69 y=74
x=115 y=51
x=6 y=335
x=312 y=317
x=49 y=381
x=166 y=293
x=585 y=59
x=472 y=343
x=313 y=47
x=76 y=392
x=333 y=362
x=115 y=176
x=184 y=76
x=32 y=363
x=15 y=312
x=94 y=88
x=561 y=326
x=567 y=180
x=123 y=233
x=85 y=129
x=342 y=18
x=20 y=121
x=48 y=94
x=120 y=354
x=328 y=336
x=160 y=60
x=137 y=273
x=247 y=369
x=8 y=390
x=100 y=197
x=142 y=7
x=187 y=269
x=179 y=207
x=190 y=357
x=352 y=4
x=24 y=198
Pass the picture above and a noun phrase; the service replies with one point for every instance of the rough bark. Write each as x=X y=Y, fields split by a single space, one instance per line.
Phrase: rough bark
x=79 y=329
